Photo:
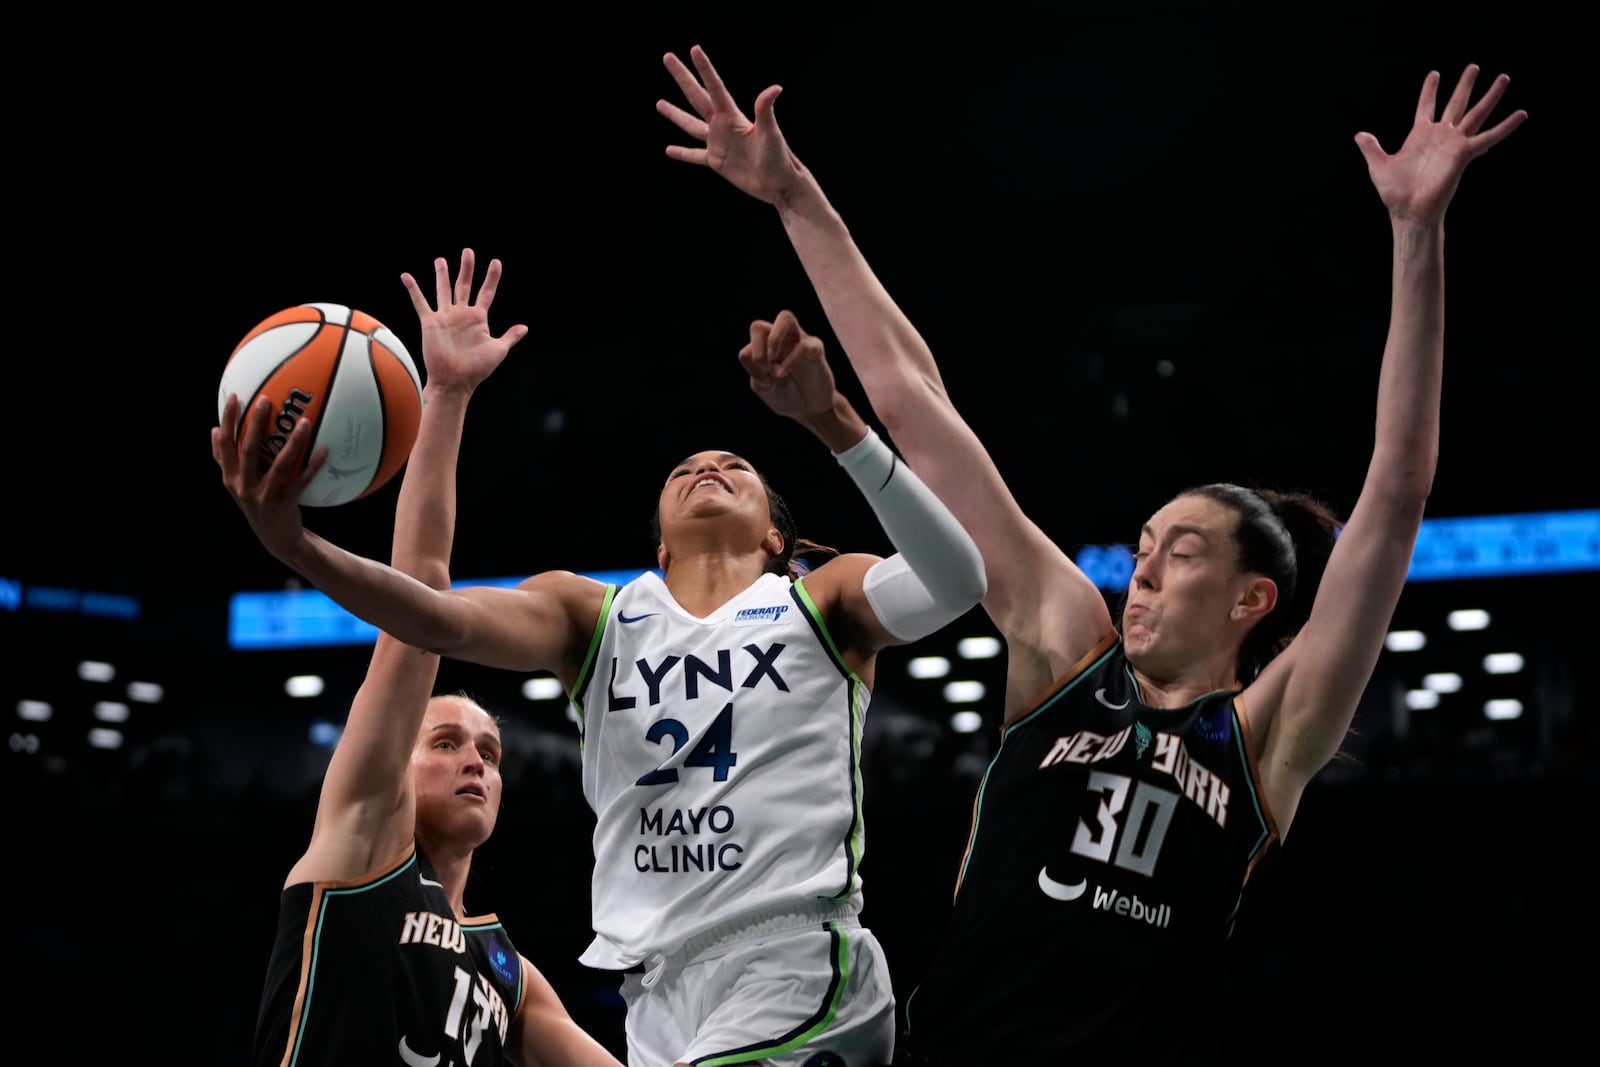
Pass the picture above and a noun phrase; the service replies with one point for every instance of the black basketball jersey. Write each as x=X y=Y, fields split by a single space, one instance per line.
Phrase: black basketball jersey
x=378 y=971
x=1109 y=849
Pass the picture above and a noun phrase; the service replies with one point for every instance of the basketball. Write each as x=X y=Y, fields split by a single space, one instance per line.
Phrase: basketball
x=349 y=375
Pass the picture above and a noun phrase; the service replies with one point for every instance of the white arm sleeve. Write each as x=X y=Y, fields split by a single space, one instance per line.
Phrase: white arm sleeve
x=937 y=575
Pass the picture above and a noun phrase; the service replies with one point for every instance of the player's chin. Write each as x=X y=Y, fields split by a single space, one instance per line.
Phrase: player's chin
x=475 y=827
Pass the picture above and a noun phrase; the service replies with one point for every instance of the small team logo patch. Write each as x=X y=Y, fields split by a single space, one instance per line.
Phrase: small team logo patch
x=1214 y=726
x=1141 y=739
x=503 y=962
x=826 y=1059
x=753 y=616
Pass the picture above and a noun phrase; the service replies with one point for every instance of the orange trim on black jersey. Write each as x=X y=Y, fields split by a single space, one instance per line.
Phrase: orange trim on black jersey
x=1254 y=766
x=1066 y=678
x=313 y=914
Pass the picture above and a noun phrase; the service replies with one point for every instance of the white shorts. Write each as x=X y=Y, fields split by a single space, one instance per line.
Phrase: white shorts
x=788 y=991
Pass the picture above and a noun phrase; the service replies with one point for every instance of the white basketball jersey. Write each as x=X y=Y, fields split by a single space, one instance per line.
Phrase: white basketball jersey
x=721 y=758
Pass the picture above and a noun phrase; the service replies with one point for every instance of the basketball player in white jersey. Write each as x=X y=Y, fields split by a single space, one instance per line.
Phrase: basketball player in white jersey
x=721 y=715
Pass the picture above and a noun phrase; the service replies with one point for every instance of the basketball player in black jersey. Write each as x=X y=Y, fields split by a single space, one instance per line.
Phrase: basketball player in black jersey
x=376 y=959
x=1146 y=761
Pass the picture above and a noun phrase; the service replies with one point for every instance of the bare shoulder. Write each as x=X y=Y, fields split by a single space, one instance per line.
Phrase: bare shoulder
x=838 y=582
x=565 y=584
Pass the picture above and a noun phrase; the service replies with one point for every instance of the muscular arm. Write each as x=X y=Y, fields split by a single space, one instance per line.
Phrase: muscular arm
x=543 y=1034
x=1302 y=705
x=526 y=628
x=936 y=574
x=1049 y=612
x=366 y=811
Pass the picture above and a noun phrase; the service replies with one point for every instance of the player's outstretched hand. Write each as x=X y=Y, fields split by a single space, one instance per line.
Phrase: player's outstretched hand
x=1418 y=181
x=458 y=349
x=753 y=156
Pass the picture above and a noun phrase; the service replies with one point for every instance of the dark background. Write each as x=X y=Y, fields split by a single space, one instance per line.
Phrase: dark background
x=1061 y=197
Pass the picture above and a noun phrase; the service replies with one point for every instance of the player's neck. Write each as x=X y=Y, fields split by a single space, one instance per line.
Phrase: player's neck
x=703 y=582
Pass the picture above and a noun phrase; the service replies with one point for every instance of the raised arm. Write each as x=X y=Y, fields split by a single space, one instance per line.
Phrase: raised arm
x=528 y=628
x=1304 y=701
x=366 y=811
x=1026 y=570
x=936 y=574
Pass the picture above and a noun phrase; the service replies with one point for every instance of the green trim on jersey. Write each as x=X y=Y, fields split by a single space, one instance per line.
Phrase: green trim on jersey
x=859 y=695
x=807 y=1030
x=588 y=656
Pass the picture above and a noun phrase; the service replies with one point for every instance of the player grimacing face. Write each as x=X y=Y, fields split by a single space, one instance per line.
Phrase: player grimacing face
x=1186 y=591
x=715 y=483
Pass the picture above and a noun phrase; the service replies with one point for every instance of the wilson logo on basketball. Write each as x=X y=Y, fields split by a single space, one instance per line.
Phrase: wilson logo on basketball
x=294 y=409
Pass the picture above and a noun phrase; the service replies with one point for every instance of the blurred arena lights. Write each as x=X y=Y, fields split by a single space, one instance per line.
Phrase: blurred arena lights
x=1468 y=619
x=966 y=721
x=105 y=737
x=324 y=734
x=1442 y=682
x=544 y=688
x=978 y=647
x=1515 y=700
x=304 y=685
x=1405 y=641
x=111 y=711
x=92 y=670
x=1503 y=709
x=1503 y=663
x=964 y=692
x=34 y=710
x=928 y=667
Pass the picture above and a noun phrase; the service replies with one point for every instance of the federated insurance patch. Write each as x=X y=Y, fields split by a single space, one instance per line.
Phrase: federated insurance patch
x=757 y=616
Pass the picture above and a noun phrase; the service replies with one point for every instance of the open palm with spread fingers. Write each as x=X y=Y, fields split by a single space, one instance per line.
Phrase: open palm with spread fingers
x=753 y=156
x=1418 y=181
x=458 y=349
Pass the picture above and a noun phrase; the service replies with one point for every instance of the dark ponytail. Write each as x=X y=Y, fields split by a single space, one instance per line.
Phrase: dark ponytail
x=1287 y=537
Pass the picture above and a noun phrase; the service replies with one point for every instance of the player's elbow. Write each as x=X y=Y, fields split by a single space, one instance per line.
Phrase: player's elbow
x=965 y=587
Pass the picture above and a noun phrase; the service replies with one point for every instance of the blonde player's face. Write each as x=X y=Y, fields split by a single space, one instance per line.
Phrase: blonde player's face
x=457 y=767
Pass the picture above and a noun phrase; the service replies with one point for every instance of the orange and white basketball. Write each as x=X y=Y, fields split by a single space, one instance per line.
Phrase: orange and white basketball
x=346 y=372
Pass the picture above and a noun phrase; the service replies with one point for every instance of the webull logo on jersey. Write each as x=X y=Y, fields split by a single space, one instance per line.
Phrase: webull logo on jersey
x=1129 y=906
x=1125 y=905
x=753 y=616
